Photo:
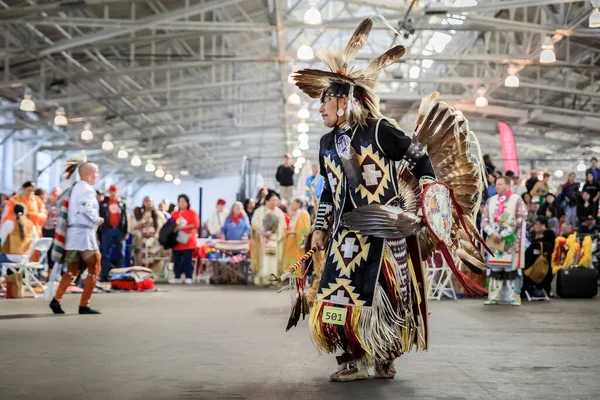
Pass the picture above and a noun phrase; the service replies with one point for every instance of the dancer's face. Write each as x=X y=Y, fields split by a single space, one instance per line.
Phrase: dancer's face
x=329 y=109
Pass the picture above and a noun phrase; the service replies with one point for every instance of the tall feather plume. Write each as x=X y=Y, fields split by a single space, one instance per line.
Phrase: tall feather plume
x=383 y=61
x=74 y=163
x=332 y=58
x=358 y=40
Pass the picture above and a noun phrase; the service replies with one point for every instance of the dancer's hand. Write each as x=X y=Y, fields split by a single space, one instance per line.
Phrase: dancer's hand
x=318 y=239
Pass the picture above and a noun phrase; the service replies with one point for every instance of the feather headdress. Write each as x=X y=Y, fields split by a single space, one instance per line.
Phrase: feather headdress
x=74 y=163
x=356 y=85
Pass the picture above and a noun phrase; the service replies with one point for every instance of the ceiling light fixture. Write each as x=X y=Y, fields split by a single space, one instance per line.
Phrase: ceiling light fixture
x=594 y=21
x=183 y=172
x=297 y=152
x=107 y=145
x=481 y=100
x=294 y=99
x=123 y=153
x=313 y=16
x=512 y=80
x=301 y=159
x=558 y=173
x=169 y=178
x=86 y=133
x=547 y=56
x=581 y=167
x=296 y=171
x=303 y=137
x=303 y=113
x=159 y=173
x=298 y=165
x=27 y=104
x=303 y=146
x=305 y=53
x=176 y=181
x=302 y=127
x=60 y=118
x=136 y=161
x=150 y=167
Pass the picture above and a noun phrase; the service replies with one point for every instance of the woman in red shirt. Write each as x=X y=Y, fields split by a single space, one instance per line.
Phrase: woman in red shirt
x=188 y=223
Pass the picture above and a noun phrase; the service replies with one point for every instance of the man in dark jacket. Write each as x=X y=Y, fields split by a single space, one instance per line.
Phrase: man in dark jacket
x=593 y=169
x=113 y=231
x=285 y=177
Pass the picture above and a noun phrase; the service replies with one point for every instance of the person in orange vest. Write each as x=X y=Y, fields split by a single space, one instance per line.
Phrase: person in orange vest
x=36 y=210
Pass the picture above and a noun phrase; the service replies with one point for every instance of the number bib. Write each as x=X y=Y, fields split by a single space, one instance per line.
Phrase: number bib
x=334 y=315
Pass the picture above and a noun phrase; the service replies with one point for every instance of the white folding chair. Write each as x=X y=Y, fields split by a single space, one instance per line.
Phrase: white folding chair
x=26 y=267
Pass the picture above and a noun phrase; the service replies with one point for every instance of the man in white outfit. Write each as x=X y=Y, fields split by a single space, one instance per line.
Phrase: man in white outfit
x=81 y=241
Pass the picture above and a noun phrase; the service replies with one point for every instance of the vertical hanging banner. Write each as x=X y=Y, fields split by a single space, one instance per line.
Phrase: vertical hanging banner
x=509 y=149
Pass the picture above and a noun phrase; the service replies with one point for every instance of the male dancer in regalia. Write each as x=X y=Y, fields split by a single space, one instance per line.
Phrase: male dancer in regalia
x=371 y=303
x=503 y=221
x=81 y=241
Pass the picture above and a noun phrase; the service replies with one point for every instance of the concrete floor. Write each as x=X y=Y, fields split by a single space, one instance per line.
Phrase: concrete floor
x=219 y=343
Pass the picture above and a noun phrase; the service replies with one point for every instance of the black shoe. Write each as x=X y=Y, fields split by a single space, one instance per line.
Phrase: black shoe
x=56 y=308
x=87 y=310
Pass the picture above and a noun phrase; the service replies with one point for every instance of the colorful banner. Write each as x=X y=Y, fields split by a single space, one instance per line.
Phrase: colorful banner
x=509 y=149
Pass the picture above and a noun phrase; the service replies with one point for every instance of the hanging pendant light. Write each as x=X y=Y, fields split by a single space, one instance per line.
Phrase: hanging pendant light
x=594 y=21
x=547 y=56
x=107 y=145
x=27 y=104
x=297 y=152
x=294 y=99
x=159 y=173
x=481 y=100
x=150 y=167
x=303 y=137
x=512 y=80
x=303 y=113
x=176 y=181
x=136 y=161
x=302 y=127
x=123 y=153
x=303 y=146
x=305 y=53
x=301 y=160
x=183 y=172
x=312 y=16
x=86 y=133
x=60 y=118
x=169 y=178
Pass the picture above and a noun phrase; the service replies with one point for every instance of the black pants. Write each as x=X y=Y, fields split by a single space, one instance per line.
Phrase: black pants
x=182 y=263
x=49 y=233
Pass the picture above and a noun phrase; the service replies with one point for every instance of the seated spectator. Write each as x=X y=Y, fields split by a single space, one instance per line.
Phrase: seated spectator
x=586 y=213
x=592 y=187
x=553 y=222
x=532 y=210
x=542 y=243
x=542 y=232
x=17 y=234
x=237 y=224
x=550 y=202
x=526 y=199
